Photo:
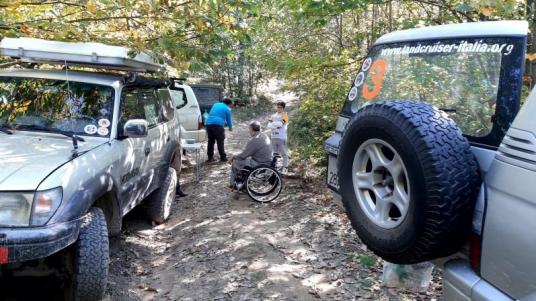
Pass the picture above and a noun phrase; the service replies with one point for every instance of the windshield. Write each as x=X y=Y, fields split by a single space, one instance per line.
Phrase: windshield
x=461 y=77
x=36 y=104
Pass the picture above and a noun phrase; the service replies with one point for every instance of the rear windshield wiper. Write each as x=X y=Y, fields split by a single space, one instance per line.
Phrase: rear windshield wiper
x=4 y=128
x=33 y=127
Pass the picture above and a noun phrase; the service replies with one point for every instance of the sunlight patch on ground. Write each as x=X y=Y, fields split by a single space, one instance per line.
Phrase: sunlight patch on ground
x=241 y=243
x=172 y=227
x=258 y=265
x=243 y=212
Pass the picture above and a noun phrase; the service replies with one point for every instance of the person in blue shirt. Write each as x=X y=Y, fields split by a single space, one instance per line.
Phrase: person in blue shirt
x=219 y=116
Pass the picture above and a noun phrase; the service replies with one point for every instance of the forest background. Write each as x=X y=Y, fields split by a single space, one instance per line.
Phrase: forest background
x=314 y=46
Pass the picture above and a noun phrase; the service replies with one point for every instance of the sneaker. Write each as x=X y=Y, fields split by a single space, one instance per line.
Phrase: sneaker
x=210 y=160
x=224 y=160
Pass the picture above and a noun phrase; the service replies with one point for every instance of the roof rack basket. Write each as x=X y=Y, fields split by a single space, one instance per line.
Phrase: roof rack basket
x=92 y=55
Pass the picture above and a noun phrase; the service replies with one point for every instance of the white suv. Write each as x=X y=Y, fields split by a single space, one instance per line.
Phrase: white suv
x=187 y=107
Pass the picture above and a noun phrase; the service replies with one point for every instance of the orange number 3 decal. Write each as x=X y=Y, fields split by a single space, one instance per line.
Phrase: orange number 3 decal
x=379 y=67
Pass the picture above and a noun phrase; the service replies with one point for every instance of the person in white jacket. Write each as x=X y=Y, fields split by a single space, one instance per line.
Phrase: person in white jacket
x=278 y=125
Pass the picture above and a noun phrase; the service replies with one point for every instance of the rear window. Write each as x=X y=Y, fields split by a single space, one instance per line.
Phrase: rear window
x=207 y=95
x=461 y=77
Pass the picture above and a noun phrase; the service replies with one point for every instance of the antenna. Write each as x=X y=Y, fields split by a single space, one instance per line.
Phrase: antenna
x=71 y=97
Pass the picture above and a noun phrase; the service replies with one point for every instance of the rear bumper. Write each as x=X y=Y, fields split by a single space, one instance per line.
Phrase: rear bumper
x=29 y=243
x=460 y=282
x=197 y=135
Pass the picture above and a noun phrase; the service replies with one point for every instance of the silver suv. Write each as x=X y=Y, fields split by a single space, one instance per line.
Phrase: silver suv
x=433 y=158
x=78 y=151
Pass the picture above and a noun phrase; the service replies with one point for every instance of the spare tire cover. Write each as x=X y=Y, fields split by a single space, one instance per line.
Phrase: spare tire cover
x=408 y=181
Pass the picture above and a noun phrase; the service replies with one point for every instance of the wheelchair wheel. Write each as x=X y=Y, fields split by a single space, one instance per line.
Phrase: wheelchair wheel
x=277 y=163
x=264 y=184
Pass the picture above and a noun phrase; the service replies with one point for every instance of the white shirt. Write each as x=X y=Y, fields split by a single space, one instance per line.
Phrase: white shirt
x=278 y=126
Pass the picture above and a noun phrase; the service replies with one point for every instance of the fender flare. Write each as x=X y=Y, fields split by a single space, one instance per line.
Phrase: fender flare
x=86 y=196
x=170 y=157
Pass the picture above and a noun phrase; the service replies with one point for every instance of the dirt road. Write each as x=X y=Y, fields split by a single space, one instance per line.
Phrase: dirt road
x=214 y=247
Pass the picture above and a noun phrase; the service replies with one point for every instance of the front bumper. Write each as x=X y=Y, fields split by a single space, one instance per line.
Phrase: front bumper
x=23 y=244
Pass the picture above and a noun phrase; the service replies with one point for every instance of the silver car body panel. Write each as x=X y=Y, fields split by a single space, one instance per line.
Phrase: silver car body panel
x=508 y=245
x=461 y=283
x=508 y=265
x=29 y=157
x=459 y=30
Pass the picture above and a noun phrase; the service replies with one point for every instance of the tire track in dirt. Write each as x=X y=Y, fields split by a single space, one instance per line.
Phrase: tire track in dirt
x=214 y=247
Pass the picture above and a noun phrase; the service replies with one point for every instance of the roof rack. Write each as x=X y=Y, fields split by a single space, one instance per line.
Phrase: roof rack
x=177 y=80
x=93 y=55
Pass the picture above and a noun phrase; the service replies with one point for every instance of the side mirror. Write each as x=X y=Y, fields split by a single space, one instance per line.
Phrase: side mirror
x=135 y=128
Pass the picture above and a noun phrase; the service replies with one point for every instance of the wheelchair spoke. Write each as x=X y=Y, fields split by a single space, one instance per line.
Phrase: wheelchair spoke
x=264 y=184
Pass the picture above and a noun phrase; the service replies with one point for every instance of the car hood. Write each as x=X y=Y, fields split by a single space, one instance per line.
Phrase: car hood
x=26 y=160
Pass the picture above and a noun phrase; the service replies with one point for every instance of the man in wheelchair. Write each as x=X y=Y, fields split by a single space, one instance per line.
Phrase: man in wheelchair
x=258 y=152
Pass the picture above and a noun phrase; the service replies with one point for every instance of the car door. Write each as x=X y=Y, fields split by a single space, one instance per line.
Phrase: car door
x=157 y=137
x=134 y=154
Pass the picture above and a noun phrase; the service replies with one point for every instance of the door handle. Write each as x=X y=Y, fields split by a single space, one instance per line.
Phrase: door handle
x=147 y=150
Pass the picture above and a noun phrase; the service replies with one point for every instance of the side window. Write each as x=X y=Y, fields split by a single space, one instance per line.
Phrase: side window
x=151 y=107
x=179 y=98
x=130 y=106
x=168 y=109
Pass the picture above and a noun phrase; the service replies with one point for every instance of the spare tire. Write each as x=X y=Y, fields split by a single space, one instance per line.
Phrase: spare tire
x=408 y=181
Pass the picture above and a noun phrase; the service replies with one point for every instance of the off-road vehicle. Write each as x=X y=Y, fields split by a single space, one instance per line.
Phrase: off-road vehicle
x=432 y=156
x=189 y=111
x=78 y=150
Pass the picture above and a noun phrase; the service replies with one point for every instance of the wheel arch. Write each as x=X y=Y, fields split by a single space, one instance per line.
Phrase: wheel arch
x=91 y=193
x=173 y=156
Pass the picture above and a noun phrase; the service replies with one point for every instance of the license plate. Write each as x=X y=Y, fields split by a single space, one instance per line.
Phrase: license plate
x=333 y=177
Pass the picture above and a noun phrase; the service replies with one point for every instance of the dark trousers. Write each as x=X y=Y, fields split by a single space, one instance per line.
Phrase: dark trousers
x=216 y=134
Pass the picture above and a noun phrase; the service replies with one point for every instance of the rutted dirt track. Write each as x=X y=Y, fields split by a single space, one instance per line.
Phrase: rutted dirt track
x=215 y=247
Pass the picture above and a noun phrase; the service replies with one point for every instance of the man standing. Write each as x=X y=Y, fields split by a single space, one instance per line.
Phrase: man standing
x=258 y=151
x=219 y=116
x=278 y=124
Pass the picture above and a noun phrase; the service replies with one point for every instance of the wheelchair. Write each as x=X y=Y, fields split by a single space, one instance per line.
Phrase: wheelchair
x=262 y=183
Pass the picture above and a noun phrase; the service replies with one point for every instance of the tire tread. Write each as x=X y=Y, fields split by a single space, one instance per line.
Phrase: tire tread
x=451 y=175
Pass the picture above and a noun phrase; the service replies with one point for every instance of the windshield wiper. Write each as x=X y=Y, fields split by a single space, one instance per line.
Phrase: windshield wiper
x=4 y=128
x=33 y=127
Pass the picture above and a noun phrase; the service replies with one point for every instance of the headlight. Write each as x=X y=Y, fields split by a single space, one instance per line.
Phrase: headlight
x=15 y=208
x=45 y=205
